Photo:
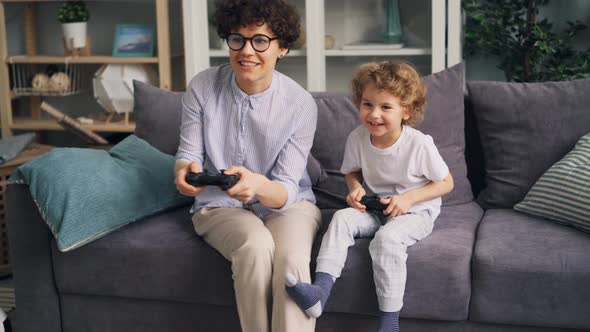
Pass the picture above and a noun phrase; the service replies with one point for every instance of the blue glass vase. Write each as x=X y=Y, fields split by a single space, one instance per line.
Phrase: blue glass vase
x=392 y=28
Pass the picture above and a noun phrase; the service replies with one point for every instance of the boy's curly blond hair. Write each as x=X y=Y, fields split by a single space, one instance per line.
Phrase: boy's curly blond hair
x=398 y=78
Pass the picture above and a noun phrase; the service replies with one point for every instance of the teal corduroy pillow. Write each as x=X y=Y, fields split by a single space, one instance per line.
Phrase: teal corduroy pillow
x=84 y=194
x=562 y=194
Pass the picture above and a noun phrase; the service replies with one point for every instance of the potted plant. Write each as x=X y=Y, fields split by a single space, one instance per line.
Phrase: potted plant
x=529 y=48
x=73 y=15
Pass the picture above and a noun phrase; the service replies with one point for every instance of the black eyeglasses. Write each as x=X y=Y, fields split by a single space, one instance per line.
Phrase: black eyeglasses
x=260 y=43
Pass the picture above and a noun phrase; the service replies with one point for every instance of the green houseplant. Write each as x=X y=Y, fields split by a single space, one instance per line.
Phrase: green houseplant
x=73 y=16
x=528 y=48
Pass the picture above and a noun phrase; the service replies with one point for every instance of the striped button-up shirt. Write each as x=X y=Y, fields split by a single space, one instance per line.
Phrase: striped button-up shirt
x=269 y=133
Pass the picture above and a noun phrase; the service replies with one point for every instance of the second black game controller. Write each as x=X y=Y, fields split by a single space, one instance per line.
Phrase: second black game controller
x=372 y=203
x=223 y=181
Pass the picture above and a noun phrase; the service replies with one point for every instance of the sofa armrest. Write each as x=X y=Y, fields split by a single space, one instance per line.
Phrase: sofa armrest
x=29 y=240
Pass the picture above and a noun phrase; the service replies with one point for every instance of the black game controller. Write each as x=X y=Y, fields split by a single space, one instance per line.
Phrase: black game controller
x=372 y=203
x=207 y=179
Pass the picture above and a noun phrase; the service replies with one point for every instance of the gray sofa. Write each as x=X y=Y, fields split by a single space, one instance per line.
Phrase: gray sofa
x=491 y=269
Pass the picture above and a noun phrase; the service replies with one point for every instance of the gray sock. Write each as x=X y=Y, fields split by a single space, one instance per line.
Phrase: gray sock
x=310 y=297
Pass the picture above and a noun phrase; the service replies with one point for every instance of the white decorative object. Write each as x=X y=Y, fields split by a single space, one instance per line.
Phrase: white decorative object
x=75 y=34
x=59 y=82
x=85 y=120
x=40 y=81
x=214 y=41
x=329 y=42
x=223 y=44
x=113 y=85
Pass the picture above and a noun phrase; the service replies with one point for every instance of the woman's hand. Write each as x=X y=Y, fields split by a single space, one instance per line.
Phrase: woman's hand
x=180 y=180
x=248 y=186
x=354 y=197
x=397 y=205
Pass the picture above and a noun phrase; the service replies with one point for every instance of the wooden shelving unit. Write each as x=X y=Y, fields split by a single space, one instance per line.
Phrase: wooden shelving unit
x=52 y=125
x=35 y=122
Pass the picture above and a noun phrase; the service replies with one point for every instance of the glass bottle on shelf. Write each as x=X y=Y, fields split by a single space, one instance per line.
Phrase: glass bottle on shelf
x=392 y=29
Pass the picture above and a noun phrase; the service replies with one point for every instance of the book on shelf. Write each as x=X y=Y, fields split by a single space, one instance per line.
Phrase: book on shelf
x=372 y=46
x=73 y=125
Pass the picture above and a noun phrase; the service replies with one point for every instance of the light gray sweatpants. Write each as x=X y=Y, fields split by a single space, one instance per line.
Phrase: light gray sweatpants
x=387 y=249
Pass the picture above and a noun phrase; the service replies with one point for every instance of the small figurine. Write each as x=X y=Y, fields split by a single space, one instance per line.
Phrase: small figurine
x=59 y=82
x=329 y=42
x=40 y=82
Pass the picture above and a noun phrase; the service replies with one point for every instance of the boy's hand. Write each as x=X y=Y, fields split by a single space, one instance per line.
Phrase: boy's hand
x=354 y=197
x=397 y=205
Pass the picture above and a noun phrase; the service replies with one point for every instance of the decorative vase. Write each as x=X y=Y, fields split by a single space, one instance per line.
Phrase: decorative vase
x=329 y=42
x=392 y=28
x=75 y=34
x=214 y=41
x=300 y=42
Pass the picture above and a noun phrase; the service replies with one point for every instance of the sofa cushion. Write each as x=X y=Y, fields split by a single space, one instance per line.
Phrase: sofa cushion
x=337 y=117
x=157 y=115
x=176 y=265
x=84 y=194
x=528 y=272
x=561 y=194
x=524 y=129
x=329 y=143
x=438 y=270
x=163 y=251
x=444 y=120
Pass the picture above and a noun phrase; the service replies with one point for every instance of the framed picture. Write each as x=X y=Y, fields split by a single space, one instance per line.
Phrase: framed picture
x=134 y=40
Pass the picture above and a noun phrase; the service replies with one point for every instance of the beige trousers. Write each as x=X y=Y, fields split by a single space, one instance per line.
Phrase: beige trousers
x=261 y=252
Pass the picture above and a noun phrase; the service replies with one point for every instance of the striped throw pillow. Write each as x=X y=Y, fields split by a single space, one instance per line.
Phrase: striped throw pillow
x=562 y=194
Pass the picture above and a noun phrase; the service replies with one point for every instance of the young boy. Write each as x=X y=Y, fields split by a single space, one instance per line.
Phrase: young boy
x=399 y=164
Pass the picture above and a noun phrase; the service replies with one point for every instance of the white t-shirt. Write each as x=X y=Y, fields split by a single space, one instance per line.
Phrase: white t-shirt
x=411 y=162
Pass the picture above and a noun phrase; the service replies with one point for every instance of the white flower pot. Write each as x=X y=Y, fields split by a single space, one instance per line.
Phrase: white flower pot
x=223 y=44
x=75 y=32
x=214 y=43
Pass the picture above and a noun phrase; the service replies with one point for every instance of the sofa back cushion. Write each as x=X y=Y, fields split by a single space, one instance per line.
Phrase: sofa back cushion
x=525 y=128
x=444 y=120
x=157 y=116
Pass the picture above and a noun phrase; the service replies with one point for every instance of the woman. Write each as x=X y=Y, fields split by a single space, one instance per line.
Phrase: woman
x=256 y=123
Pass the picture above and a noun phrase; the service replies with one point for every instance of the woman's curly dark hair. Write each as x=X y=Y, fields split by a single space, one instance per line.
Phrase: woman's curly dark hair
x=281 y=17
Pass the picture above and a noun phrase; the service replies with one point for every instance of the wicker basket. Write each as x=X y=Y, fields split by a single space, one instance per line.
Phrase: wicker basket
x=6 y=169
x=69 y=79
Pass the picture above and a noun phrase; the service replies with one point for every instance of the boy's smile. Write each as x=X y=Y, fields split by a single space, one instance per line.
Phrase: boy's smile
x=382 y=114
